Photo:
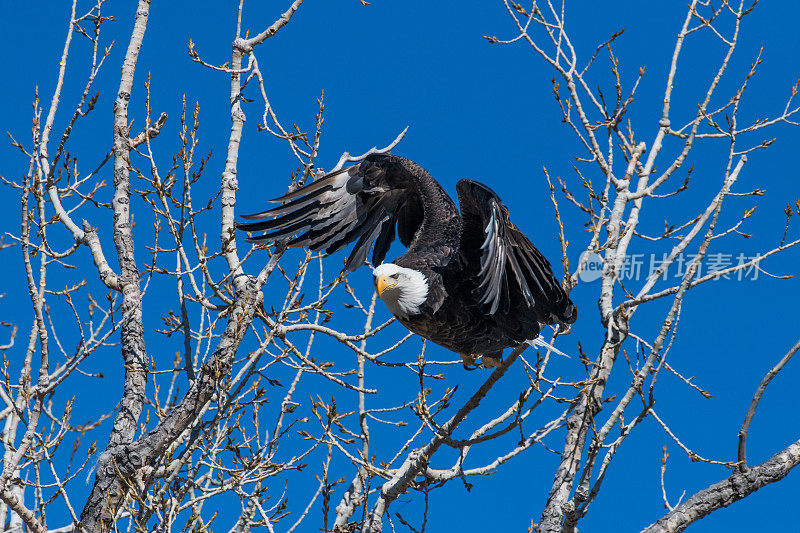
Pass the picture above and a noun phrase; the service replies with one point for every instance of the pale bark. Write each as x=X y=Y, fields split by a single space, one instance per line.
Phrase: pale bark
x=109 y=487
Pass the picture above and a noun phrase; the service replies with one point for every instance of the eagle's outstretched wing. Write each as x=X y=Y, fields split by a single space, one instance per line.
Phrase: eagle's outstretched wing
x=513 y=278
x=364 y=202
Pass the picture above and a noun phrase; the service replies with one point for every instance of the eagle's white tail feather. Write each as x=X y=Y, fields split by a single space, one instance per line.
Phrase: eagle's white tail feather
x=539 y=342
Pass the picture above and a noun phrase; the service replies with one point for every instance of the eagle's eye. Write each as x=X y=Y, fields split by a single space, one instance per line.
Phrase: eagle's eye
x=395 y=276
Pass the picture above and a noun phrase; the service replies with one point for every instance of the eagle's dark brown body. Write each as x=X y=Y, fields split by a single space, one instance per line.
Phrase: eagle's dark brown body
x=489 y=288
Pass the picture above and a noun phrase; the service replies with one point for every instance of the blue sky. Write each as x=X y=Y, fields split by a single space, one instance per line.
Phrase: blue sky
x=485 y=112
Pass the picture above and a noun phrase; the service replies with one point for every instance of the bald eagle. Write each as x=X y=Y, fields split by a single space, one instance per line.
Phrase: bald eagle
x=470 y=281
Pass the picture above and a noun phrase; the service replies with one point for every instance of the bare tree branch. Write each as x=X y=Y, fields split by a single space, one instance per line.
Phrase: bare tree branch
x=751 y=411
x=730 y=490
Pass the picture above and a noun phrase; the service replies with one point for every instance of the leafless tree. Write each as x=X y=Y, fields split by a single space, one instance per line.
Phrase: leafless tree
x=223 y=419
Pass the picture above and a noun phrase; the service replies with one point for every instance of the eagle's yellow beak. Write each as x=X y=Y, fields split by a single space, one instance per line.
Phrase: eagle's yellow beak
x=383 y=284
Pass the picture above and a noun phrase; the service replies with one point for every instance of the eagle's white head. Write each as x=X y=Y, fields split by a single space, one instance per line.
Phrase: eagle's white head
x=403 y=290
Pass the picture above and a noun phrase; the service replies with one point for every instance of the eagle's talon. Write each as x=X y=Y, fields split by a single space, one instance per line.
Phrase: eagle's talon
x=469 y=361
x=491 y=362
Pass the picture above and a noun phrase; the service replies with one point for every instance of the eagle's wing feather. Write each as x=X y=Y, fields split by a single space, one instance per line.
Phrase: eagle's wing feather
x=360 y=203
x=512 y=276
